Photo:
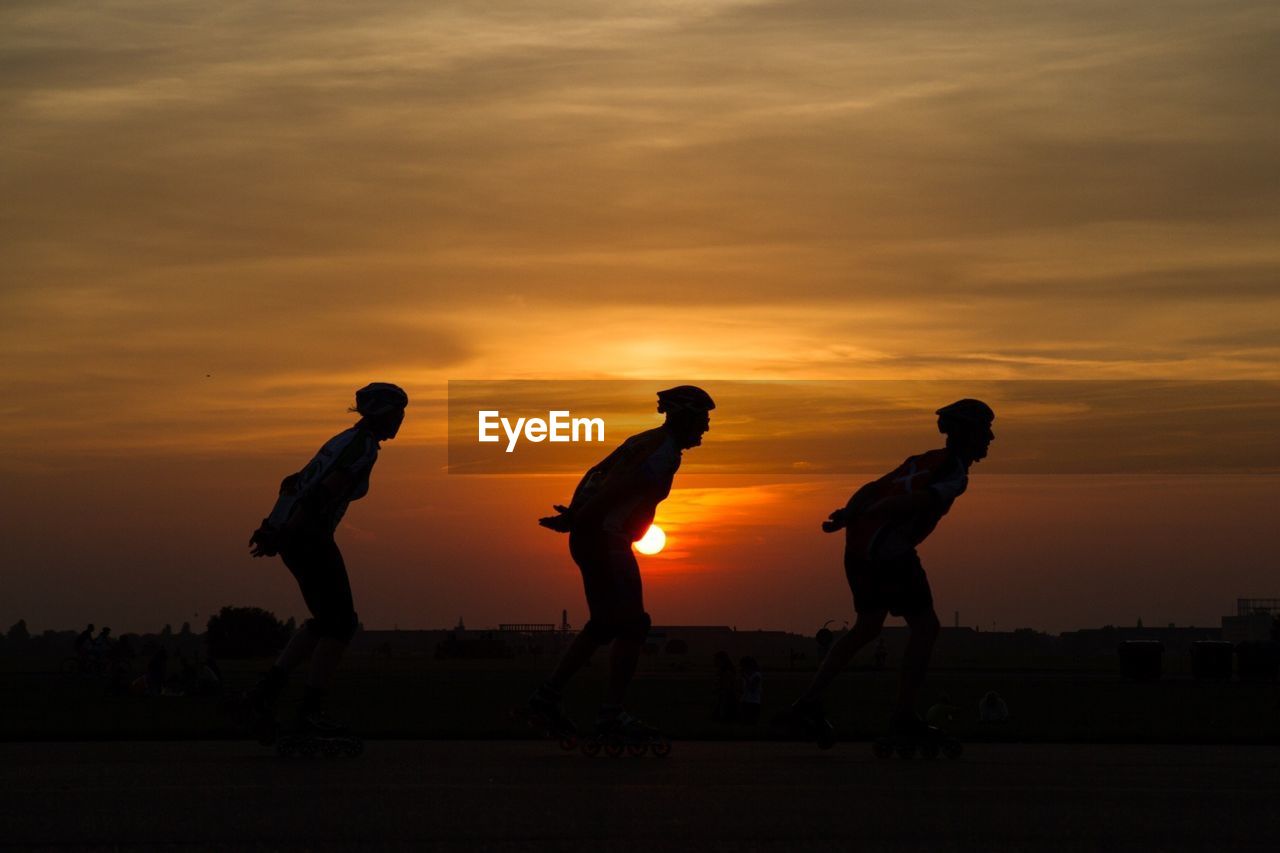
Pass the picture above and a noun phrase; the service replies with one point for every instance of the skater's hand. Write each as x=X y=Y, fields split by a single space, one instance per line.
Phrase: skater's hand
x=834 y=522
x=265 y=541
x=562 y=522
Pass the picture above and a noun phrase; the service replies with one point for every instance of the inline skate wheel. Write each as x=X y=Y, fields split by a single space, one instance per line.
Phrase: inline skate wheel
x=952 y=749
x=568 y=743
x=591 y=748
x=329 y=749
x=661 y=749
x=636 y=750
x=614 y=749
x=285 y=749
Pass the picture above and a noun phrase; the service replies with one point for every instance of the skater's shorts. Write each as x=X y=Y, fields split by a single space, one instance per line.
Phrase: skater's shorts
x=897 y=585
x=316 y=563
x=611 y=579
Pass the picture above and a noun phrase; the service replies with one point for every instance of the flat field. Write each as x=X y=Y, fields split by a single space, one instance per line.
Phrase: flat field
x=724 y=796
x=428 y=698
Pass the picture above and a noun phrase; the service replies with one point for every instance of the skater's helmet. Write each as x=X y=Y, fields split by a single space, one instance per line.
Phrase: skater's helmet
x=379 y=398
x=966 y=413
x=684 y=398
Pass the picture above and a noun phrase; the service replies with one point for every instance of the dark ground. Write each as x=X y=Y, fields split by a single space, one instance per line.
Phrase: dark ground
x=417 y=699
x=516 y=796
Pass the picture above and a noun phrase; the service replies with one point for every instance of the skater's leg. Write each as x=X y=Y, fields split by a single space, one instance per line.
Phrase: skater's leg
x=324 y=662
x=299 y=648
x=622 y=668
x=865 y=629
x=574 y=658
x=615 y=598
x=264 y=693
x=924 y=627
x=317 y=565
x=322 y=578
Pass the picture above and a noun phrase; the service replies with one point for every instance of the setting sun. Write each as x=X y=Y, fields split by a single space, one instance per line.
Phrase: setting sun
x=652 y=541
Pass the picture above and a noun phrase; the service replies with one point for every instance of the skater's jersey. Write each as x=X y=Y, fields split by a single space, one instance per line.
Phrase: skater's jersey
x=881 y=536
x=353 y=451
x=643 y=468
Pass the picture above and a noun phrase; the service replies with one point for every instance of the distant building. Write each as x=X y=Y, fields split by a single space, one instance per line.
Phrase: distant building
x=1098 y=642
x=701 y=642
x=1255 y=620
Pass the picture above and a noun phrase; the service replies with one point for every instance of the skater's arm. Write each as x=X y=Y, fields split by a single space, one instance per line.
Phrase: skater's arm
x=561 y=522
x=858 y=503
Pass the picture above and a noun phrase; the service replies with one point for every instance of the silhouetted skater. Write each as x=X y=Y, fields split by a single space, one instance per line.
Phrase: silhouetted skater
x=84 y=642
x=300 y=529
x=752 y=689
x=613 y=506
x=884 y=521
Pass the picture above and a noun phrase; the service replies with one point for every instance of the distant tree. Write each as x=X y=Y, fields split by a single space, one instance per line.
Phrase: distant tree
x=185 y=633
x=167 y=631
x=245 y=632
x=19 y=633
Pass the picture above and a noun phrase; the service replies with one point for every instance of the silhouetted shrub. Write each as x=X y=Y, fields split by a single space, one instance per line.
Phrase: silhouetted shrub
x=245 y=632
x=19 y=633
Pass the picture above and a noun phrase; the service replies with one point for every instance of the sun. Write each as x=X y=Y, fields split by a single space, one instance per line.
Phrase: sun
x=652 y=541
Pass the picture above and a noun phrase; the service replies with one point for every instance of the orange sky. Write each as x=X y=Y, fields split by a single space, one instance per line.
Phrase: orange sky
x=219 y=221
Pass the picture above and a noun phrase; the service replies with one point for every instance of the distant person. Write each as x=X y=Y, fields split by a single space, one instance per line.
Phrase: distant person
x=884 y=521
x=752 y=690
x=824 y=638
x=725 y=698
x=942 y=712
x=100 y=648
x=120 y=659
x=612 y=507
x=992 y=708
x=209 y=681
x=83 y=640
x=189 y=677
x=301 y=530
x=83 y=647
x=157 y=672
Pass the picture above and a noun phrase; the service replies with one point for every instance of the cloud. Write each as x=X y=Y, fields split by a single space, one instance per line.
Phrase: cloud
x=749 y=189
